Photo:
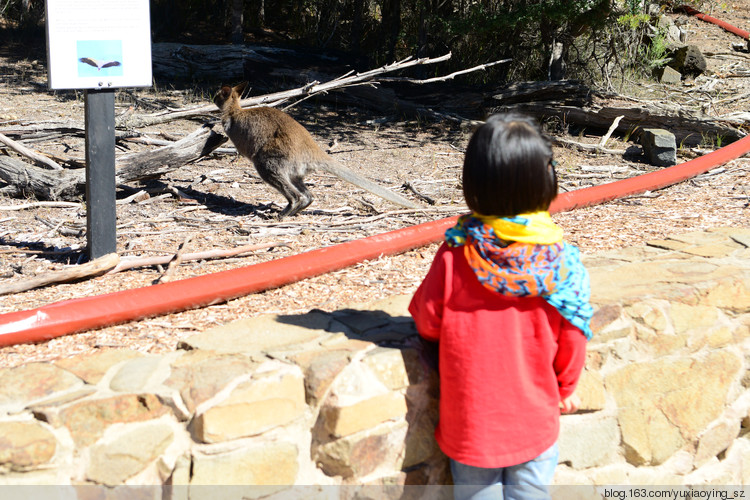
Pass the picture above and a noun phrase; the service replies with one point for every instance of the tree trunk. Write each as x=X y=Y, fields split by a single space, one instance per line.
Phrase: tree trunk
x=391 y=26
x=257 y=17
x=238 y=35
x=358 y=7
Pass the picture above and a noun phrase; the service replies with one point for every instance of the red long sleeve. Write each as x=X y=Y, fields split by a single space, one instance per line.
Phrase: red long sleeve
x=505 y=364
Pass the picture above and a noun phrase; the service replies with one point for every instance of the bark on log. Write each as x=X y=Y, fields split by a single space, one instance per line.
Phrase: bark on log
x=153 y=164
x=224 y=62
x=56 y=185
x=24 y=179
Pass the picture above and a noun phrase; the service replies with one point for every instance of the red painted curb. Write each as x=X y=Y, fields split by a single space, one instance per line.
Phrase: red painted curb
x=70 y=316
x=651 y=181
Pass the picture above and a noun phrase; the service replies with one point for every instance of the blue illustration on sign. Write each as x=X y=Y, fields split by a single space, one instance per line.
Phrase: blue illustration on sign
x=99 y=58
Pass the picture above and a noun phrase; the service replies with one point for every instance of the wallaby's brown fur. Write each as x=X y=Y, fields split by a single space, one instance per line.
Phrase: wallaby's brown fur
x=283 y=151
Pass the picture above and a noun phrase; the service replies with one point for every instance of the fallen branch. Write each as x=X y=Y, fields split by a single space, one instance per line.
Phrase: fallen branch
x=175 y=261
x=557 y=141
x=410 y=187
x=450 y=117
x=25 y=179
x=88 y=270
x=155 y=163
x=48 y=204
x=612 y=128
x=446 y=77
x=38 y=158
x=137 y=121
x=133 y=262
x=137 y=197
x=596 y=148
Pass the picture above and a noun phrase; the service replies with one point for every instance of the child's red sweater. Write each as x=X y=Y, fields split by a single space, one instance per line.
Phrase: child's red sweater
x=505 y=365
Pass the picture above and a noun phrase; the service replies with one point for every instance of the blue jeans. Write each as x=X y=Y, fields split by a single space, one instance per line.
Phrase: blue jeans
x=525 y=481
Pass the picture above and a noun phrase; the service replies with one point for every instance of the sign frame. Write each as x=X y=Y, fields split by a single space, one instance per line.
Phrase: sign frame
x=97 y=44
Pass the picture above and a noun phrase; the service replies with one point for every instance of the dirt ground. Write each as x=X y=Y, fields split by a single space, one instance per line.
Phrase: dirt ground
x=223 y=204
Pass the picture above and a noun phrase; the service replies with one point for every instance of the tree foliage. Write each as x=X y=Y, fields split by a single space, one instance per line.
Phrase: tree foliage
x=380 y=31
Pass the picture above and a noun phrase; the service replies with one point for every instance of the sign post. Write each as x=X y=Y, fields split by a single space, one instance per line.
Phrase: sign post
x=101 y=215
x=99 y=45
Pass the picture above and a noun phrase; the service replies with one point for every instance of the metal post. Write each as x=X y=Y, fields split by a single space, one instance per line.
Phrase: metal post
x=101 y=217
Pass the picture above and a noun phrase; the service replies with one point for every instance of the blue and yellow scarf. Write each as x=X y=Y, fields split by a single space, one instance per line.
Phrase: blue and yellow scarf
x=524 y=256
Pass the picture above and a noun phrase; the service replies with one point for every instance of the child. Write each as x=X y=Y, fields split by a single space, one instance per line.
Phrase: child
x=507 y=302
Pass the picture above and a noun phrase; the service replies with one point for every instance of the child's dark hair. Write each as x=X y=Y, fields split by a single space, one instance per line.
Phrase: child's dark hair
x=508 y=167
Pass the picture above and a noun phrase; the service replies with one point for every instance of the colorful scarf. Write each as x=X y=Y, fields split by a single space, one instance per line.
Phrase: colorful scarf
x=524 y=256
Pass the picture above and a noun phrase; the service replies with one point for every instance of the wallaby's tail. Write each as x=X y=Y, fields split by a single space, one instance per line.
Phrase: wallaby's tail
x=359 y=181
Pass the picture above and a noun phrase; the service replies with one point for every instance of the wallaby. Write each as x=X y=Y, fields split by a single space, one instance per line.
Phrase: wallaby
x=283 y=151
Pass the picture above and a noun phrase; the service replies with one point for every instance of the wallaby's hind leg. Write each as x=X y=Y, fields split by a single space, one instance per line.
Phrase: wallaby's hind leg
x=295 y=191
x=306 y=196
x=288 y=179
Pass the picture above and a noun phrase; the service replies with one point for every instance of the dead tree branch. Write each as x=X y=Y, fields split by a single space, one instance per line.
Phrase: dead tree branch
x=90 y=269
x=446 y=77
x=175 y=261
x=348 y=80
x=38 y=158
x=55 y=185
x=133 y=262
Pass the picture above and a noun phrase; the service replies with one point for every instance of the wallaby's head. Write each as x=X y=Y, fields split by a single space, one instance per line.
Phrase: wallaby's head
x=227 y=93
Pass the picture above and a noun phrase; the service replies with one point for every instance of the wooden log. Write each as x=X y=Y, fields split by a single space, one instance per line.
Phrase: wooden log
x=43 y=129
x=570 y=92
x=24 y=179
x=689 y=127
x=225 y=62
x=58 y=185
x=155 y=163
x=575 y=103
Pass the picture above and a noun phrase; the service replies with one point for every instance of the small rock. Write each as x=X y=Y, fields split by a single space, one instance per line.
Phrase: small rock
x=668 y=75
x=659 y=146
x=689 y=61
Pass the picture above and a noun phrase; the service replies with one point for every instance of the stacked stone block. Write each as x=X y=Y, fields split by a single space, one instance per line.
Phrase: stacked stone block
x=267 y=405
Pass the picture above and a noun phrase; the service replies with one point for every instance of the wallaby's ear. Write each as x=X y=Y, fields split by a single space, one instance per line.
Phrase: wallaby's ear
x=240 y=89
x=223 y=96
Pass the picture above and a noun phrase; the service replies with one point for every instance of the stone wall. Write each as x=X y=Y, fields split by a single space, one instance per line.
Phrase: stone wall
x=349 y=397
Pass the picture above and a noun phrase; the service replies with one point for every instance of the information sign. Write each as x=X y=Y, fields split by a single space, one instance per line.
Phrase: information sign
x=98 y=44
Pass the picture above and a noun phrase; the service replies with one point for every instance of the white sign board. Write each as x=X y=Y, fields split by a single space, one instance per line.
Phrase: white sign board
x=98 y=44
